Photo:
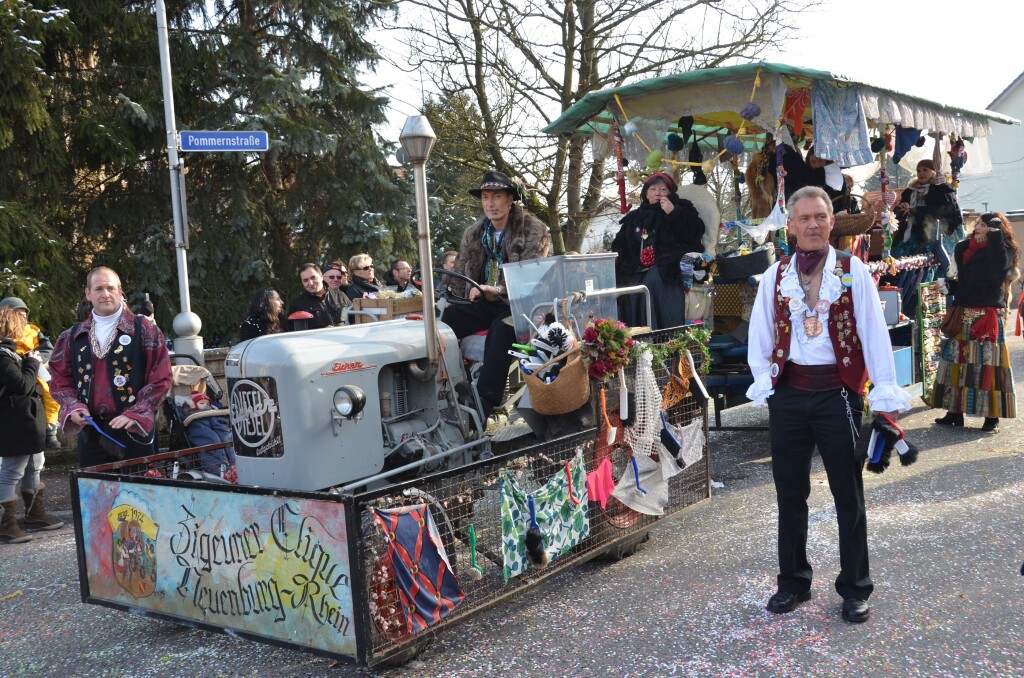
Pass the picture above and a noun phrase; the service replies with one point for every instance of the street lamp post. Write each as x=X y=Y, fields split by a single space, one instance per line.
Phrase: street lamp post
x=417 y=138
x=186 y=324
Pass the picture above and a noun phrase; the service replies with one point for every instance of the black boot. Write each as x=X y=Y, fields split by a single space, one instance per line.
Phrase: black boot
x=991 y=424
x=36 y=517
x=52 y=441
x=9 y=531
x=951 y=419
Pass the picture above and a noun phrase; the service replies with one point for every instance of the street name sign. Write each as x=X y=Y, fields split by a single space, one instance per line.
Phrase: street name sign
x=223 y=142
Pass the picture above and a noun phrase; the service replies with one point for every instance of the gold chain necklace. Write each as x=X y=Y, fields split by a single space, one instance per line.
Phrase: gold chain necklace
x=100 y=351
x=812 y=325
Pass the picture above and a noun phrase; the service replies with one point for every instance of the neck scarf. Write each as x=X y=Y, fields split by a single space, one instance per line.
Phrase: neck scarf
x=491 y=240
x=808 y=261
x=917 y=194
x=973 y=246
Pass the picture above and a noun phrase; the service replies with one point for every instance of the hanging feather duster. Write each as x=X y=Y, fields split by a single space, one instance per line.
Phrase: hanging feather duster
x=534 y=539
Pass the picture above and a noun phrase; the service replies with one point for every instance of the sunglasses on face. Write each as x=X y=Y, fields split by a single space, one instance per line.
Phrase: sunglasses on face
x=366 y=268
x=332 y=277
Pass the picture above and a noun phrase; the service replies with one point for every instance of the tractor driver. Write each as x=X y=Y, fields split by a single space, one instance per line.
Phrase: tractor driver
x=505 y=233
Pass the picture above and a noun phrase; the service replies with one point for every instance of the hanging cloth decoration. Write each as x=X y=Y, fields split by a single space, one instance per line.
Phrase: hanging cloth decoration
x=643 y=436
x=797 y=101
x=840 y=128
x=643 y=487
x=685 y=442
x=427 y=587
x=620 y=168
x=560 y=510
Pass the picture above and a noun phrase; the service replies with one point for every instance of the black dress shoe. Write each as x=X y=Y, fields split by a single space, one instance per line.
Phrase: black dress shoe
x=991 y=424
x=784 y=601
x=856 y=611
x=951 y=419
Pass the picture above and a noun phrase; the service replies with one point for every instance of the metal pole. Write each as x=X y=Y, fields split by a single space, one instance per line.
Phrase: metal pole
x=426 y=263
x=186 y=323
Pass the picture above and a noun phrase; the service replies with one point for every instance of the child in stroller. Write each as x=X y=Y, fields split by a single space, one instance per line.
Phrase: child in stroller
x=195 y=417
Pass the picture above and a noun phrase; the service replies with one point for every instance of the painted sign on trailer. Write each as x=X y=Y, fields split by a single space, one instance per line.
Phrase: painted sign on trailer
x=275 y=567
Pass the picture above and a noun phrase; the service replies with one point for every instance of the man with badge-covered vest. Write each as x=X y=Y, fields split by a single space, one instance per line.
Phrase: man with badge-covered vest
x=817 y=333
x=110 y=374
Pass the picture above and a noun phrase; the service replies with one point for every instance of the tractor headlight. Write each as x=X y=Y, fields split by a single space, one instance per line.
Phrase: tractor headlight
x=349 y=401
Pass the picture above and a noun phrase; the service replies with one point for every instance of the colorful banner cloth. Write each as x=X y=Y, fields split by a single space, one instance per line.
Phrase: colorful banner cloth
x=563 y=522
x=426 y=584
x=840 y=129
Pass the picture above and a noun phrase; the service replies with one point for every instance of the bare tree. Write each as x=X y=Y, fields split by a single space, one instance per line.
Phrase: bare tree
x=524 y=62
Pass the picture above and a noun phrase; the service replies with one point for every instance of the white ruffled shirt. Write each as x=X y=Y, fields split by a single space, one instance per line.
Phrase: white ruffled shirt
x=885 y=394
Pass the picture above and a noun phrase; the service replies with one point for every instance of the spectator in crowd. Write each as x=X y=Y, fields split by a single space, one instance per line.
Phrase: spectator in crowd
x=83 y=311
x=35 y=340
x=336 y=276
x=23 y=421
x=448 y=260
x=264 y=315
x=363 y=281
x=327 y=307
x=400 y=276
x=114 y=369
x=145 y=308
x=974 y=375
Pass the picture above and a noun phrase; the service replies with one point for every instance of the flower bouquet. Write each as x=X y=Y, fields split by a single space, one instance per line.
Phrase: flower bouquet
x=606 y=345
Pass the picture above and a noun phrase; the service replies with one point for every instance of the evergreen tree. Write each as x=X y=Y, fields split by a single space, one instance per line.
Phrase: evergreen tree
x=289 y=67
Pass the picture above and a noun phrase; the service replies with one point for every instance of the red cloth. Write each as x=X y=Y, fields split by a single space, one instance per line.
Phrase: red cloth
x=972 y=247
x=986 y=327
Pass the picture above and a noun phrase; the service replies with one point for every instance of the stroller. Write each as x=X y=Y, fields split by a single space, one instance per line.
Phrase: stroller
x=195 y=417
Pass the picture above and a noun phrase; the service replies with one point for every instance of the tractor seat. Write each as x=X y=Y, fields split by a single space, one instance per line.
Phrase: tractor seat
x=473 y=346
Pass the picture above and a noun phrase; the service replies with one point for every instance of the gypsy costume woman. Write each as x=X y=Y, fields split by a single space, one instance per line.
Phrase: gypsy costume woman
x=650 y=244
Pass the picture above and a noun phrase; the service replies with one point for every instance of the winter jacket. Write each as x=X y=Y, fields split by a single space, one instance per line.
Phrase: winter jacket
x=360 y=287
x=255 y=326
x=671 y=235
x=22 y=417
x=979 y=281
x=940 y=208
x=526 y=237
x=328 y=310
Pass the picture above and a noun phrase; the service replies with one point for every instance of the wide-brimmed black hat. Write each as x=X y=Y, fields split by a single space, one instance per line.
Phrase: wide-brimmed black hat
x=496 y=181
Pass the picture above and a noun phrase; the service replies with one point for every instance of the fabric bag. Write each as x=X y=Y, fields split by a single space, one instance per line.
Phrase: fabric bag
x=952 y=321
x=568 y=392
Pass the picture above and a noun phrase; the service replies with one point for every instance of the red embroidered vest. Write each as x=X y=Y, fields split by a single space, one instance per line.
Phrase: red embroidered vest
x=842 y=330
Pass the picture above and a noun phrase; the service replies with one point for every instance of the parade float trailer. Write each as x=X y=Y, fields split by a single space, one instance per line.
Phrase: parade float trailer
x=372 y=507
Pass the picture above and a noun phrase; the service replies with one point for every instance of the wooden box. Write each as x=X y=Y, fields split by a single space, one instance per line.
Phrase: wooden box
x=386 y=309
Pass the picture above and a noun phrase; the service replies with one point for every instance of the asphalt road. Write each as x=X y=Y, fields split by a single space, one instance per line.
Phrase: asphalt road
x=946 y=544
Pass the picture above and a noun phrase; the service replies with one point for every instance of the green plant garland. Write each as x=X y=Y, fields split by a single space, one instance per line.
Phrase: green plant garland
x=692 y=334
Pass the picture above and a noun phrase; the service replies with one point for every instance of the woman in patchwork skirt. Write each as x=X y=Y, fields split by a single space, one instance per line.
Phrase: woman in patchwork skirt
x=974 y=376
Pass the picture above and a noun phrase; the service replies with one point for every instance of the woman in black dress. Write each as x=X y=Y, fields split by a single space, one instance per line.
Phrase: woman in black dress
x=650 y=243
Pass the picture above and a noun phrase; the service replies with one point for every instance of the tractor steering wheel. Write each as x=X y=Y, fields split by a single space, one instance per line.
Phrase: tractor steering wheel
x=457 y=299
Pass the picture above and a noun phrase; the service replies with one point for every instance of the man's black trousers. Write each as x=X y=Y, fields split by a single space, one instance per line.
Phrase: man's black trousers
x=800 y=421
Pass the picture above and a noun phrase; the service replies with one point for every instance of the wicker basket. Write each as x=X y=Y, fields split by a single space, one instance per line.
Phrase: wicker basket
x=567 y=393
x=854 y=224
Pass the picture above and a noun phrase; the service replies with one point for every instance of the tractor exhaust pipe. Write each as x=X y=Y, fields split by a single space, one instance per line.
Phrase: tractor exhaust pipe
x=417 y=138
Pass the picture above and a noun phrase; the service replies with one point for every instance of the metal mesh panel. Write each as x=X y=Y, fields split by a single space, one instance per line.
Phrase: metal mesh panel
x=470 y=495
